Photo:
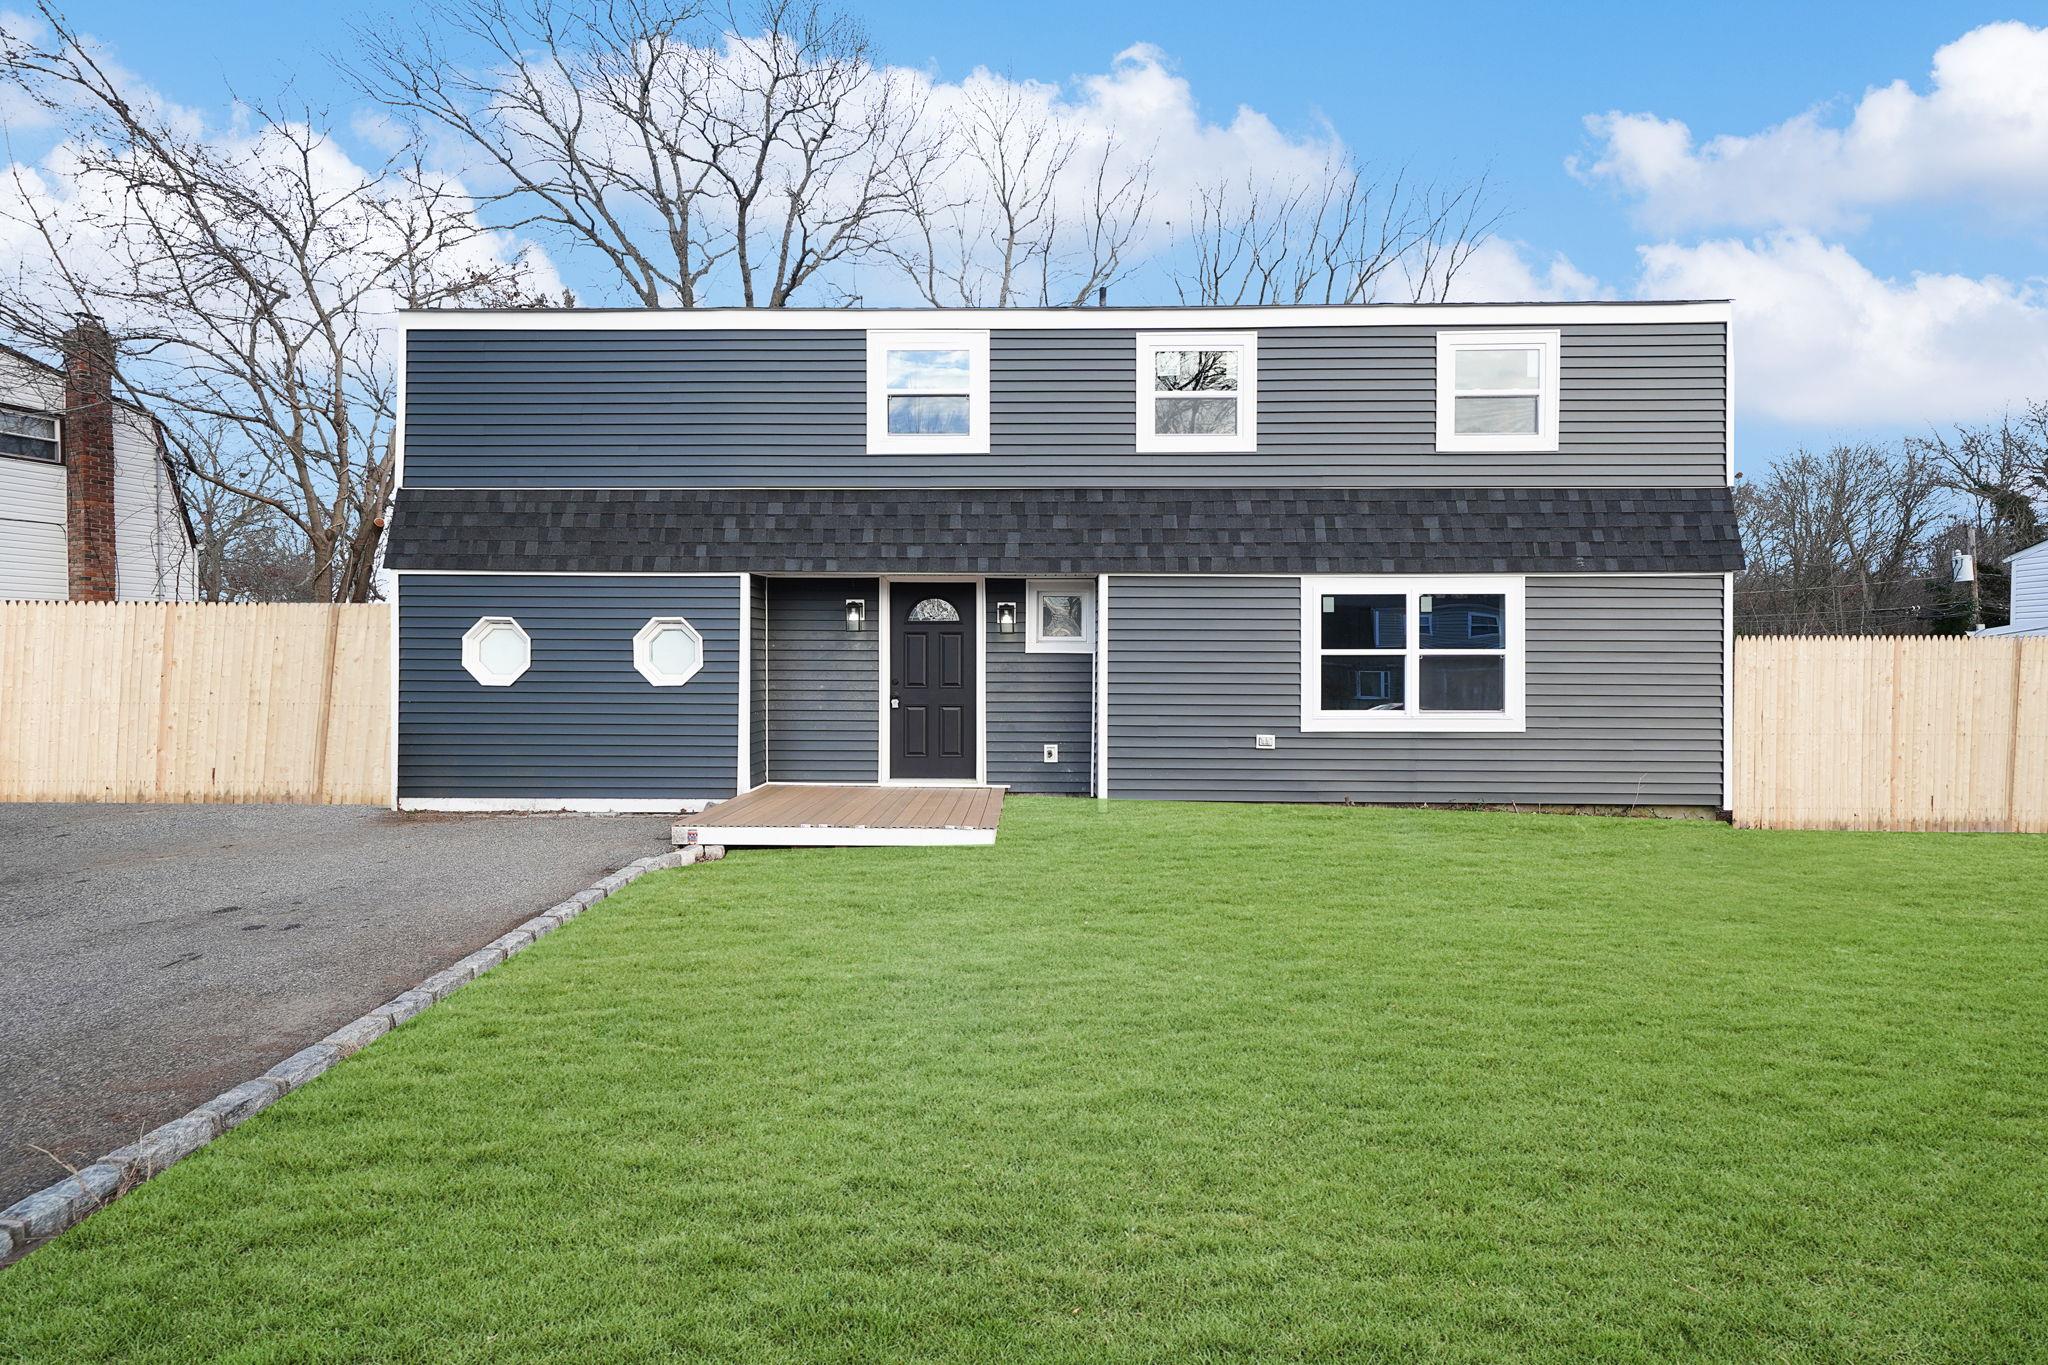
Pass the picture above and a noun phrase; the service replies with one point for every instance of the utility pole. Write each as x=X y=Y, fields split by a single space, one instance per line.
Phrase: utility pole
x=1976 y=590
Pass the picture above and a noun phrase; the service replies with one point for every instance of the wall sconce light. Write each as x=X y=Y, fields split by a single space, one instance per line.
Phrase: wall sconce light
x=1006 y=618
x=856 y=613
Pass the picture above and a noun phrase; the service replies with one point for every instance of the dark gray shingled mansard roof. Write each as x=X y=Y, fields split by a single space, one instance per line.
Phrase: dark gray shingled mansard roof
x=1085 y=530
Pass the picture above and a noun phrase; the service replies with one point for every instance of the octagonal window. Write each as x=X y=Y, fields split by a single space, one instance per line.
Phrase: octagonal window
x=496 y=651
x=668 y=651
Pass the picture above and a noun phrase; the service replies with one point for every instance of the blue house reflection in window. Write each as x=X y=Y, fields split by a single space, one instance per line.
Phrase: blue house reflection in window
x=1471 y=621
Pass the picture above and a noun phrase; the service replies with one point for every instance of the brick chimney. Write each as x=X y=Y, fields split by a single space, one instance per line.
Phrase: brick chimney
x=89 y=459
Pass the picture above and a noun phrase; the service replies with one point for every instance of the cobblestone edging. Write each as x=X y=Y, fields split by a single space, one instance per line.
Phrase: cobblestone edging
x=34 y=1219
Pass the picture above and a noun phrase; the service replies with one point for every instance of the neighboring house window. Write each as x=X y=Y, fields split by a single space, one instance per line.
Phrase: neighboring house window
x=668 y=651
x=30 y=435
x=497 y=651
x=1198 y=391
x=1412 y=654
x=1062 y=617
x=928 y=392
x=1496 y=391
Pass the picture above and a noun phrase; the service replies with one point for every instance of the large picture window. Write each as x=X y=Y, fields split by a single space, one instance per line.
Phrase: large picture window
x=1198 y=391
x=928 y=391
x=1443 y=654
x=1496 y=391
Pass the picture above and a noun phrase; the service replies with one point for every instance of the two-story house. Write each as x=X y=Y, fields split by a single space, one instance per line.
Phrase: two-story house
x=1430 y=553
x=90 y=510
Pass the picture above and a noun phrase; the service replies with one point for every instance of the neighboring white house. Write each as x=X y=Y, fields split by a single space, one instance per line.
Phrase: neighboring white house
x=89 y=509
x=2029 y=593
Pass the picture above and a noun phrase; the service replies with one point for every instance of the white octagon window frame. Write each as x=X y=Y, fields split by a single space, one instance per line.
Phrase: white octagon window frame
x=473 y=651
x=1512 y=718
x=882 y=441
x=1546 y=342
x=1036 y=643
x=1152 y=441
x=643 y=651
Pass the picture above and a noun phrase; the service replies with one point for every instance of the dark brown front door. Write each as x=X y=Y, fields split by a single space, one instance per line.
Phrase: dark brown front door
x=932 y=729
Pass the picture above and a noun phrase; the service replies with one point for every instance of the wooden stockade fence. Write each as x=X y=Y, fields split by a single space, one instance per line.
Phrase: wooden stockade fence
x=181 y=702
x=1891 y=733
x=149 y=701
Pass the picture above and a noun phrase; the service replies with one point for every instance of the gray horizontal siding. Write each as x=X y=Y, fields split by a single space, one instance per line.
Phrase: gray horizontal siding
x=582 y=722
x=1641 y=404
x=1035 y=700
x=1624 y=701
x=822 y=681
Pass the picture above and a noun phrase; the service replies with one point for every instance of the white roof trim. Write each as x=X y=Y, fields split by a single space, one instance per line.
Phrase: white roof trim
x=2034 y=549
x=1051 y=319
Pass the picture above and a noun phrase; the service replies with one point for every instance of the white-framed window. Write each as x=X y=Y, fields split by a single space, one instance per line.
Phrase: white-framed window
x=668 y=651
x=1441 y=653
x=497 y=651
x=1198 y=391
x=1061 y=616
x=928 y=392
x=31 y=436
x=1496 y=390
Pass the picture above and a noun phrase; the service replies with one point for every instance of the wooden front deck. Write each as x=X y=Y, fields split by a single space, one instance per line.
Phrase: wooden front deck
x=789 y=815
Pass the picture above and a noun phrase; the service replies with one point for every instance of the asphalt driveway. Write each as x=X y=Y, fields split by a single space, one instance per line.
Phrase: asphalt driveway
x=153 y=956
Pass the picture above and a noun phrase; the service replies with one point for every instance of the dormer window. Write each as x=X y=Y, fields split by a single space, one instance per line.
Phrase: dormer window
x=1496 y=391
x=1198 y=391
x=928 y=392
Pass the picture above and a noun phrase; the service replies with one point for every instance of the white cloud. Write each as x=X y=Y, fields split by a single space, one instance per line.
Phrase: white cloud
x=1152 y=110
x=18 y=112
x=1821 y=338
x=1502 y=271
x=1979 y=133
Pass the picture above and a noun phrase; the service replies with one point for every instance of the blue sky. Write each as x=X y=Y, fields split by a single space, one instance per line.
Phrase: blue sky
x=1507 y=89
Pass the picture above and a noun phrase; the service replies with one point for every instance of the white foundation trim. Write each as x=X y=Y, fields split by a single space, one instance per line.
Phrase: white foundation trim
x=541 y=805
x=829 y=836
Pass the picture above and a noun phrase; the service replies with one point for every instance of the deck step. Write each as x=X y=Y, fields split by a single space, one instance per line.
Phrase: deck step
x=801 y=815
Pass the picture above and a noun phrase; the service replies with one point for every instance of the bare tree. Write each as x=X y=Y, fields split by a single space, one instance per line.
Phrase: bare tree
x=1024 y=214
x=689 y=151
x=1339 y=236
x=1838 y=543
x=248 y=283
x=1999 y=471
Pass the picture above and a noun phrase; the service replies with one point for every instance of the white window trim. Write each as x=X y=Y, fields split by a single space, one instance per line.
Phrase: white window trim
x=1084 y=588
x=882 y=441
x=56 y=435
x=643 y=651
x=1511 y=719
x=1152 y=442
x=473 y=651
x=1549 y=343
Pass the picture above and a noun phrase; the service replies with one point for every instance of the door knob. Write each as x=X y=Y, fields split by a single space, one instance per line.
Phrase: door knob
x=895 y=702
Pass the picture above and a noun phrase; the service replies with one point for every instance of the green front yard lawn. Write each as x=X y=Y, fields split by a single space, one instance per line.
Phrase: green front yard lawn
x=1164 y=1083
